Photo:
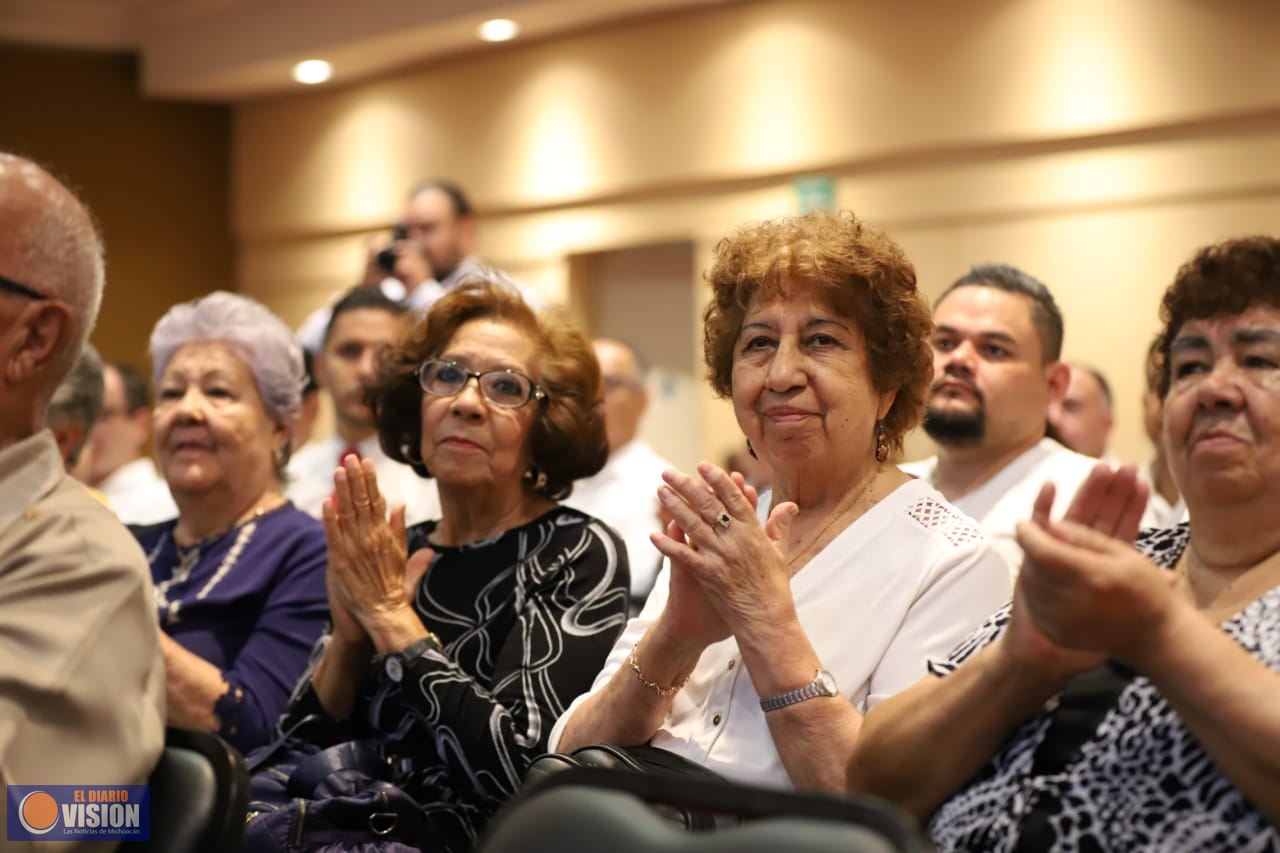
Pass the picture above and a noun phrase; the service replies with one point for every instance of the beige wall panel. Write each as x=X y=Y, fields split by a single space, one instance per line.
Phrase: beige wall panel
x=1095 y=143
x=748 y=90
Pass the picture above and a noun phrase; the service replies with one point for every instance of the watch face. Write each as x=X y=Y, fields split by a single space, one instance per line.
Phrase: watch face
x=827 y=683
x=395 y=668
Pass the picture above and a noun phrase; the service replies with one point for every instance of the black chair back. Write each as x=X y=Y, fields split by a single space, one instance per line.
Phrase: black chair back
x=199 y=795
x=609 y=810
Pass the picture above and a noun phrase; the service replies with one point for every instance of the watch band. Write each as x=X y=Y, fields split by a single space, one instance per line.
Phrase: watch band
x=394 y=663
x=823 y=684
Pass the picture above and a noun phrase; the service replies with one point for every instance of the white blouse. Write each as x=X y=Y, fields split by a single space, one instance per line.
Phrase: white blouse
x=904 y=583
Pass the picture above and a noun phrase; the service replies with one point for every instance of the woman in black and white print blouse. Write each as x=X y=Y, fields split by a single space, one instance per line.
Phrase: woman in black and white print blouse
x=1128 y=700
x=458 y=673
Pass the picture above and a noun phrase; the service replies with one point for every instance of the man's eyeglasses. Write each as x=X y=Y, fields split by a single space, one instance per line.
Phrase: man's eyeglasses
x=20 y=289
x=508 y=389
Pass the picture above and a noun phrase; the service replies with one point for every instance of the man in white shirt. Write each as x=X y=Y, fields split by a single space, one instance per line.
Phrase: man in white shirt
x=113 y=461
x=433 y=253
x=363 y=324
x=624 y=494
x=996 y=370
x=1082 y=420
x=75 y=406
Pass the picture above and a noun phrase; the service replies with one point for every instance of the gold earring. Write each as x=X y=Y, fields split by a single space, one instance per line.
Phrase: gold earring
x=882 y=442
x=536 y=478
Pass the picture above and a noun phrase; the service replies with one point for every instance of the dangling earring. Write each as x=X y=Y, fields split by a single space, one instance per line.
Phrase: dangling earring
x=751 y=450
x=882 y=442
x=535 y=478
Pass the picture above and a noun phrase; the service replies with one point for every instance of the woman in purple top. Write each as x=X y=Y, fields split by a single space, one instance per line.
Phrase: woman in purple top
x=239 y=573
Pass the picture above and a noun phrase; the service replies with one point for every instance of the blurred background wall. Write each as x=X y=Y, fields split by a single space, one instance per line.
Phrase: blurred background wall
x=1094 y=143
x=156 y=175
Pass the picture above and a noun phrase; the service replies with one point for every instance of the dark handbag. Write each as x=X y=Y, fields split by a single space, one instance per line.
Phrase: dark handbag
x=646 y=759
x=343 y=797
x=1081 y=708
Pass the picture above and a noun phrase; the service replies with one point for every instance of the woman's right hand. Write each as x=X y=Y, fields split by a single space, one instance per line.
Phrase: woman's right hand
x=346 y=628
x=689 y=614
x=1110 y=502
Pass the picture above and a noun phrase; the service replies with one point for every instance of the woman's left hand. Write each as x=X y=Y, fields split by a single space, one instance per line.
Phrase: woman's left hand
x=371 y=571
x=1088 y=591
x=741 y=565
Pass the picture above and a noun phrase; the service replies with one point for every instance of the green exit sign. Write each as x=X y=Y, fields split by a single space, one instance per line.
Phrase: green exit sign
x=815 y=192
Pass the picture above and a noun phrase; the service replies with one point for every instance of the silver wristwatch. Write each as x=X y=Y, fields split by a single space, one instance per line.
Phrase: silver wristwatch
x=823 y=684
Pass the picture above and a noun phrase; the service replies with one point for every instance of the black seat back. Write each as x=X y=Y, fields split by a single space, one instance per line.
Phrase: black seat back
x=199 y=794
x=594 y=809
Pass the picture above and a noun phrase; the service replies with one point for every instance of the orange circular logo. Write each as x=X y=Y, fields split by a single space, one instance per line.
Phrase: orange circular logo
x=38 y=812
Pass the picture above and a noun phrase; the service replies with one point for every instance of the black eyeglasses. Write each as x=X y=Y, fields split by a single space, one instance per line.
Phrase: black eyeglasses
x=20 y=289
x=508 y=389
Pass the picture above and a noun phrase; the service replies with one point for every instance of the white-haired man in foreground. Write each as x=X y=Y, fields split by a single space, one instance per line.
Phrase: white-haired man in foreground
x=81 y=678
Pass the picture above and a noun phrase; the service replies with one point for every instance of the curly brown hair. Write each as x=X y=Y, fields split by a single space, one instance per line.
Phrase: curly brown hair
x=567 y=438
x=1221 y=280
x=861 y=271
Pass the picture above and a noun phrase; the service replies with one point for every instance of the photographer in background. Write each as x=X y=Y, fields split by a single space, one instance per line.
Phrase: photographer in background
x=429 y=254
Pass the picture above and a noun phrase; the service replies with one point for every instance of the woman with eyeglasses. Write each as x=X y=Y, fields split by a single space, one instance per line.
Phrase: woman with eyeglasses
x=455 y=644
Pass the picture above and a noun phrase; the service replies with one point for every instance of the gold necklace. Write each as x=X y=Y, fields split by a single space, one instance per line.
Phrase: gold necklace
x=260 y=508
x=871 y=481
x=1232 y=594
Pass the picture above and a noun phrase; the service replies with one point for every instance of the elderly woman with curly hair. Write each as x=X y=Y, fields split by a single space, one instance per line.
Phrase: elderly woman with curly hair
x=771 y=633
x=1127 y=699
x=239 y=574
x=457 y=643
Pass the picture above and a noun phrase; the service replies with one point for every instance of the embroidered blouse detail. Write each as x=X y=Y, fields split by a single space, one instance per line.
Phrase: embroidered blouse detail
x=956 y=528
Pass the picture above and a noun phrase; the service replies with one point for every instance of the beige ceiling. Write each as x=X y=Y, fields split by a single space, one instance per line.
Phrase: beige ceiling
x=231 y=50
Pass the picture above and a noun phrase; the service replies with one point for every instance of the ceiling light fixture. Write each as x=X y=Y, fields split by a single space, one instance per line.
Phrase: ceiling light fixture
x=309 y=72
x=498 y=29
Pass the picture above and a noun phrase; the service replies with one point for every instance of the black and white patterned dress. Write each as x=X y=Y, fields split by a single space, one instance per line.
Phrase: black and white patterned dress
x=1142 y=782
x=526 y=620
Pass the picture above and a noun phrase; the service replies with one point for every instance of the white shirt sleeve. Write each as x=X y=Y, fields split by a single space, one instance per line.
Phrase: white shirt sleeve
x=960 y=594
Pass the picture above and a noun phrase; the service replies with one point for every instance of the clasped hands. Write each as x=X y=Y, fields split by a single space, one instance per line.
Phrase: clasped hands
x=1084 y=592
x=371 y=578
x=726 y=577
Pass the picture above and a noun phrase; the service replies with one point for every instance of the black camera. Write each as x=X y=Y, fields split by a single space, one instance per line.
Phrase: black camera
x=386 y=259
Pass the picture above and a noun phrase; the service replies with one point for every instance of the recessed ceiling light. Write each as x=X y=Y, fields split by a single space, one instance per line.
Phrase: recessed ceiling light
x=309 y=72
x=498 y=29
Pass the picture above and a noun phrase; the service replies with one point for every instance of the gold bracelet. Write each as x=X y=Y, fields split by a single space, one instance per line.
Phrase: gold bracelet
x=653 y=685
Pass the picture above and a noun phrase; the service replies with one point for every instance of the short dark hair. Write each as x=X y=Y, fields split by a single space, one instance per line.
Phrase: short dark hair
x=309 y=384
x=567 y=438
x=359 y=298
x=457 y=198
x=1045 y=315
x=1221 y=280
x=137 y=392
